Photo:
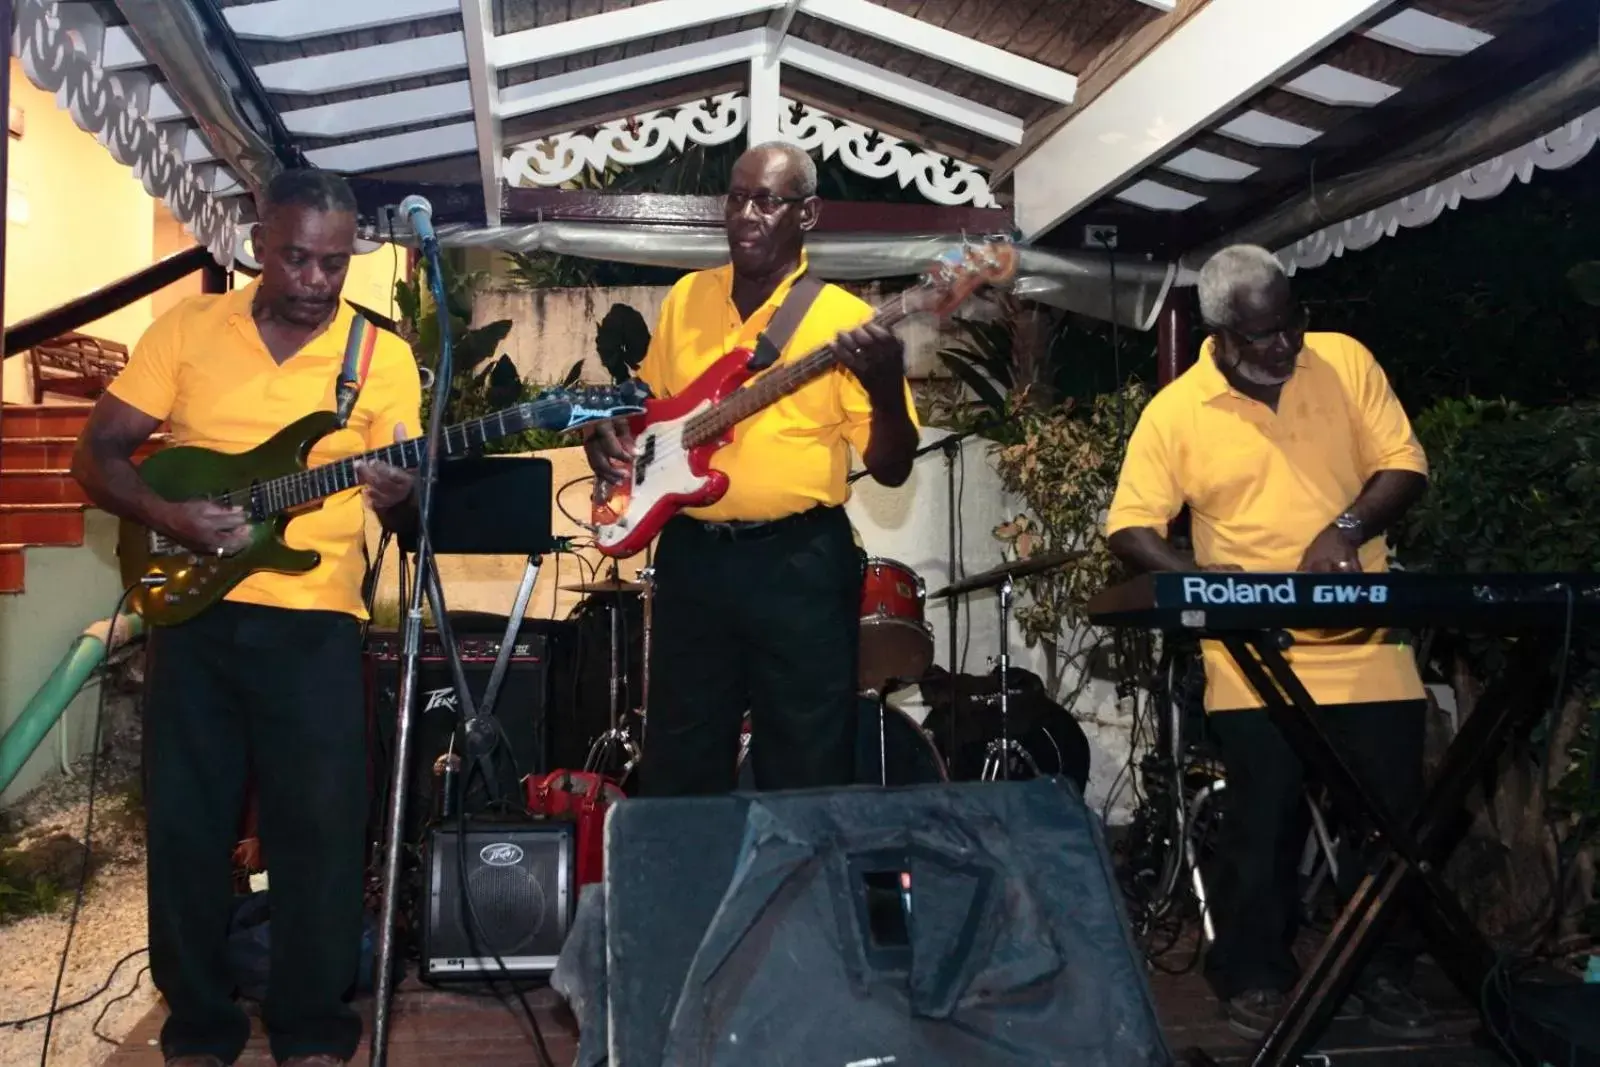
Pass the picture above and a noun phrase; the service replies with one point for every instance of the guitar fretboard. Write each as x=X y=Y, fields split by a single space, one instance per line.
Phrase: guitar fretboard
x=778 y=383
x=289 y=491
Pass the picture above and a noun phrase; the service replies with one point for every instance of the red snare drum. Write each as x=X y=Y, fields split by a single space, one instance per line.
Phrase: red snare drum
x=895 y=640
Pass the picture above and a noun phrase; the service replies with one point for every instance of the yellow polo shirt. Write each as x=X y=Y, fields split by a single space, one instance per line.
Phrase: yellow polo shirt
x=1261 y=485
x=795 y=454
x=203 y=368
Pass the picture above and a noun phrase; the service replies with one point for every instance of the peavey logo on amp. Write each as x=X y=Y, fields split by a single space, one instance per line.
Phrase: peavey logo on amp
x=501 y=854
x=1199 y=590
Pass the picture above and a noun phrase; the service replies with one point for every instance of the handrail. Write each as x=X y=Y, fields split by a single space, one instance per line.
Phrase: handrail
x=75 y=314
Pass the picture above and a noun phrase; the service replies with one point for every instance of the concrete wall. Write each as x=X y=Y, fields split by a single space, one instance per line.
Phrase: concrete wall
x=68 y=589
x=553 y=328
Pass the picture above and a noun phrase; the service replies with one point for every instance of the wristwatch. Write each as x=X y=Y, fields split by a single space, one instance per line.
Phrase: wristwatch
x=1350 y=526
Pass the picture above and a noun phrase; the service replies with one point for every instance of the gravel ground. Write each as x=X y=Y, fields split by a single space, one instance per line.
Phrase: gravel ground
x=110 y=926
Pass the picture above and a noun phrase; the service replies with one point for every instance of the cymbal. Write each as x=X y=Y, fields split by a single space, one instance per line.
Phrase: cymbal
x=609 y=585
x=1017 y=568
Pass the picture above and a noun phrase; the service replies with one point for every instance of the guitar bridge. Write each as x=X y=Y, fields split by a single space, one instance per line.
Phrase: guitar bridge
x=161 y=545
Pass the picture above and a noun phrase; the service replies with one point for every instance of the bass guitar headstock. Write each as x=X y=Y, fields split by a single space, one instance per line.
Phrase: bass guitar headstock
x=960 y=272
x=568 y=407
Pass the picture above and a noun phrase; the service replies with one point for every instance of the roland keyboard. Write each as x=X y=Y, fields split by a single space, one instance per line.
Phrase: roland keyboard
x=1219 y=601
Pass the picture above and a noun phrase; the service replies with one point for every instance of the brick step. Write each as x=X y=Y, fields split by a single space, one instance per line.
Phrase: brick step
x=40 y=487
x=41 y=524
x=13 y=564
x=43 y=420
x=55 y=453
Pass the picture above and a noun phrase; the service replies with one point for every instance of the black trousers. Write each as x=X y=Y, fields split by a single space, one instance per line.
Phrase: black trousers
x=1253 y=887
x=765 y=622
x=245 y=688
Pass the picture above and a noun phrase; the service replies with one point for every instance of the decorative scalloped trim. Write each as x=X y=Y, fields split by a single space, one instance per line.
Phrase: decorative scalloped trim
x=1557 y=150
x=60 y=58
x=556 y=160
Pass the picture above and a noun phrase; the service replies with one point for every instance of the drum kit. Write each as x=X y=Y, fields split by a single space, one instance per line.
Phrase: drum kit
x=896 y=652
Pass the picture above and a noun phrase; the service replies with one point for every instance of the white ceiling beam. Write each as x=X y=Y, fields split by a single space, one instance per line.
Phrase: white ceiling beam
x=194 y=148
x=617 y=27
x=397 y=149
x=779 y=24
x=477 y=20
x=1176 y=90
x=591 y=83
x=595 y=82
x=298 y=20
x=924 y=38
x=119 y=51
x=163 y=106
x=369 y=113
x=898 y=89
x=361 y=67
x=765 y=107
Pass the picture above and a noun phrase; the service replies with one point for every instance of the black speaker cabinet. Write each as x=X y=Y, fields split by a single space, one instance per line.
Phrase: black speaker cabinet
x=953 y=925
x=522 y=709
x=510 y=892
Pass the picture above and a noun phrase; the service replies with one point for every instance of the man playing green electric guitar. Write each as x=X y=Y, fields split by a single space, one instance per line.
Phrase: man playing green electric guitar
x=269 y=678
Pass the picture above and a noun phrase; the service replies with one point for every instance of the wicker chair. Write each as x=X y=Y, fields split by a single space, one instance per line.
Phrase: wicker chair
x=76 y=365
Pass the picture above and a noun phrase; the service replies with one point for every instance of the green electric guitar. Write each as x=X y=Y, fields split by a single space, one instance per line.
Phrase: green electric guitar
x=272 y=483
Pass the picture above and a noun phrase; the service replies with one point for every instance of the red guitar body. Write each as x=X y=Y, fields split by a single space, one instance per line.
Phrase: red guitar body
x=667 y=477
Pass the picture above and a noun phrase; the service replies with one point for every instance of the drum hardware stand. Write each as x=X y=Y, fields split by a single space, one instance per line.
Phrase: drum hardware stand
x=891 y=686
x=620 y=736
x=1004 y=661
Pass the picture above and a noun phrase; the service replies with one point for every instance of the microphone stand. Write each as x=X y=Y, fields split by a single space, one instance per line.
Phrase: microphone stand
x=423 y=584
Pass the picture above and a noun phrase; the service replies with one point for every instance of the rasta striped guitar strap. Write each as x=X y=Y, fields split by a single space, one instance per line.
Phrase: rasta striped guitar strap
x=357 y=361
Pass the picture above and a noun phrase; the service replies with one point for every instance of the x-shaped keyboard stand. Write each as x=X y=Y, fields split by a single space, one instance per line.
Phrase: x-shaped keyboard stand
x=1412 y=852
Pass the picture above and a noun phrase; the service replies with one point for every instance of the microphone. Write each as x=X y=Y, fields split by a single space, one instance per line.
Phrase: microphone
x=419 y=213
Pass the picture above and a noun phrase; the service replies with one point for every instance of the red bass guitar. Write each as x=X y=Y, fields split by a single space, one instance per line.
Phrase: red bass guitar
x=677 y=438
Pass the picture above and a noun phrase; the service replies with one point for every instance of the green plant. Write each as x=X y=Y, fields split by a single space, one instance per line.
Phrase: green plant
x=1513 y=489
x=621 y=341
x=481 y=382
x=1027 y=356
x=1065 y=469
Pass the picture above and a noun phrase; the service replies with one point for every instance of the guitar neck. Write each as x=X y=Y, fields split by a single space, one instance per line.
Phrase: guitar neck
x=290 y=491
x=779 y=382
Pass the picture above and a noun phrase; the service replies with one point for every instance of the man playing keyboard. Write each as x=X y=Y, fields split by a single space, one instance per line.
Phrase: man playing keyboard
x=1293 y=454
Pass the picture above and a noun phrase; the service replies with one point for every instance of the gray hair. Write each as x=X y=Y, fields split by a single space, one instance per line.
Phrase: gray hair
x=1235 y=269
x=805 y=168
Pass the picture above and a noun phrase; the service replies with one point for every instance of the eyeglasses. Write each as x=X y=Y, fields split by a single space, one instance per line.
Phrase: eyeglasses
x=766 y=203
x=1294 y=325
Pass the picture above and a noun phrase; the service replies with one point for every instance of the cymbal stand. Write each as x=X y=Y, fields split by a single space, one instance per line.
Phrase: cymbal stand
x=997 y=758
x=619 y=735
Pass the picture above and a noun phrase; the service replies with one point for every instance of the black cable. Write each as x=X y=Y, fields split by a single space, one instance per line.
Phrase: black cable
x=88 y=830
x=581 y=524
x=83 y=1001
x=476 y=937
x=94 y=1027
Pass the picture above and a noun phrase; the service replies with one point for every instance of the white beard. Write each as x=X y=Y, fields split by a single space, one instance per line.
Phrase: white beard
x=1257 y=376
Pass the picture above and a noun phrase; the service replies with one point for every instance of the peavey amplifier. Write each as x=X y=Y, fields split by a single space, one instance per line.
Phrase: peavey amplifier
x=522 y=708
x=519 y=879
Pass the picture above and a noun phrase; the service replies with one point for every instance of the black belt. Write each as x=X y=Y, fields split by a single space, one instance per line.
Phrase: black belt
x=741 y=530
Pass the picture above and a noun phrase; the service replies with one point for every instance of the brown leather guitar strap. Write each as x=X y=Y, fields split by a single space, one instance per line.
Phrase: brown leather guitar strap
x=769 y=346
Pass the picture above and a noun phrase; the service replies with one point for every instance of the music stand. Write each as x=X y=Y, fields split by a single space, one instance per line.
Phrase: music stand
x=487 y=506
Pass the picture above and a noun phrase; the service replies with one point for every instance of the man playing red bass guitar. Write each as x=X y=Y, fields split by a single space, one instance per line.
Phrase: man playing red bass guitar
x=757 y=596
